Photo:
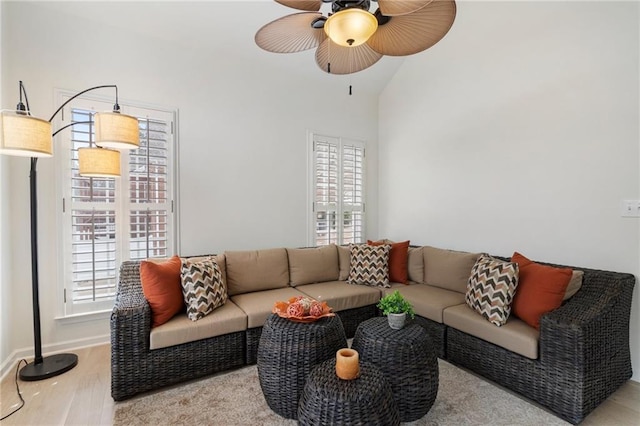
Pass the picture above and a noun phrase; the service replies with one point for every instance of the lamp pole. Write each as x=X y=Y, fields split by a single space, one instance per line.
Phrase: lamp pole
x=45 y=367
x=41 y=368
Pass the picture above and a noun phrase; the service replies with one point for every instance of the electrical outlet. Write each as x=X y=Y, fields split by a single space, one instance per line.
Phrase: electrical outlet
x=630 y=208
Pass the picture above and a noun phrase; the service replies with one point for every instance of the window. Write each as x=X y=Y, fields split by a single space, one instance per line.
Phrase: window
x=337 y=191
x=108 y=221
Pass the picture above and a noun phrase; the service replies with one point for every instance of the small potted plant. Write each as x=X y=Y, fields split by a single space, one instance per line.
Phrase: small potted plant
x=396 y=308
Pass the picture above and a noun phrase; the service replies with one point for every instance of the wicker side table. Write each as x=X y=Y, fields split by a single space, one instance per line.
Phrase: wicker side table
x=287 y=353
x=329 y=400
x=407 y=360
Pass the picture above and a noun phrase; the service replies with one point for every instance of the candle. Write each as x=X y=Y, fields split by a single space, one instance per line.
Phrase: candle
x=347 y=364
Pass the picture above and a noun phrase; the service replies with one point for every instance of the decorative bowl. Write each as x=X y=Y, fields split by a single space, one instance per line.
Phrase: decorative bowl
x=302 y=309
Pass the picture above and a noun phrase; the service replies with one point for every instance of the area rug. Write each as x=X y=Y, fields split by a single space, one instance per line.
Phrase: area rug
x=235 y=398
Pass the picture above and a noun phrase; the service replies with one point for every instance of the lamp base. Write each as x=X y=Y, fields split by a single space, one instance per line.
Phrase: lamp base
x=49 y=367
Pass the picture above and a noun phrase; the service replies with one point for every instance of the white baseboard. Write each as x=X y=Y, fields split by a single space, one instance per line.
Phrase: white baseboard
x=9 y=364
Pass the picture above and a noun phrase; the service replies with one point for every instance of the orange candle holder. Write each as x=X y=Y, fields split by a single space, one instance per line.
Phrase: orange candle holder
x=347 y=364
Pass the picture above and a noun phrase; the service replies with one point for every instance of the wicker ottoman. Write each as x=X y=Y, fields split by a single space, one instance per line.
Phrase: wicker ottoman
x=329 y=400
x=288 y=351
x=407 y=360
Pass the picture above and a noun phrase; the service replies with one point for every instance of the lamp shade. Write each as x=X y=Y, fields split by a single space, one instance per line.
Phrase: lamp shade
x=98 y=162
x=115 y=130
x=24 y=135
x=350 y=27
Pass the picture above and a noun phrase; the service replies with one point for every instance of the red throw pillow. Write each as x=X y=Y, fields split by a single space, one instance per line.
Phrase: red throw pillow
x=540 y=289
x=398 y=260
x=162 y=289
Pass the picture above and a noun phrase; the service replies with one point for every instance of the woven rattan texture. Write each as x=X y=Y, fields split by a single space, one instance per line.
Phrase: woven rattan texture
x=407 y=361
x=287 y=353
x=584 y=350
x=253 y=340
x=350 y=320
x=437 y=334
x=136 y=369
x=328 y=400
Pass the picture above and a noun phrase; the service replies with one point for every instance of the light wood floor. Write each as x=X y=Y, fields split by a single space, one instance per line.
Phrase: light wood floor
x=82 y=397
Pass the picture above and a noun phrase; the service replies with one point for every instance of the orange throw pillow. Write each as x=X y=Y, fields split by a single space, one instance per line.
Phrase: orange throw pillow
x=398 y=260
x=540 y=289
x=162 y=288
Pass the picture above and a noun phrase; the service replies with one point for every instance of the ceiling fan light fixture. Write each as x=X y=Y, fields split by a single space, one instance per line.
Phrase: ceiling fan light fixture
x=351 y=27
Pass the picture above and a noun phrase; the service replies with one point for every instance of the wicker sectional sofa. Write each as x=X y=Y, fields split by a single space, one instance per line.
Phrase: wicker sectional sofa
x=578 y=357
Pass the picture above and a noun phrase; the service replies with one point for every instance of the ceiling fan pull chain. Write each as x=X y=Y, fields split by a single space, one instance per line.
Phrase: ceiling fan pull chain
x=350 y=70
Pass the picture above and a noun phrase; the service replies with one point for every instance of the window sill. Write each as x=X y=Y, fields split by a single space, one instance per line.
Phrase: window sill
x=85 y=317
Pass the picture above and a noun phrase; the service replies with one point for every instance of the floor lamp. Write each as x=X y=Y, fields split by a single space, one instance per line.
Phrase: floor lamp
x=21 y=134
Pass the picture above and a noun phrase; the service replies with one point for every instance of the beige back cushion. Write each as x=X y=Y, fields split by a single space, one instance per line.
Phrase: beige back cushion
x=344 y=257
x=447 y=268
x=256 y=270
x=415 y=264
x=219 y=258
x=313 y=265
x=574 y=284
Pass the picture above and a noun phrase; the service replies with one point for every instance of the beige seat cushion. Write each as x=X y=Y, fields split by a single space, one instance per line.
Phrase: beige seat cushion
x=415 y=264
x=228 y=318
x=447 y=268
x=515 y=335
x=341 y=296
x=397 y=286
x=313 y=265
x=428 y=301
x=258 y=305
x=256 y=270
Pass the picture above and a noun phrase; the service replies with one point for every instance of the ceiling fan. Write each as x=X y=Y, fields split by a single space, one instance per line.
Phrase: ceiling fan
x=351 y=38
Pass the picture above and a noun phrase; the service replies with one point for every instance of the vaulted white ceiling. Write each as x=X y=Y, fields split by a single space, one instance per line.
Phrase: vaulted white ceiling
x=224 y=29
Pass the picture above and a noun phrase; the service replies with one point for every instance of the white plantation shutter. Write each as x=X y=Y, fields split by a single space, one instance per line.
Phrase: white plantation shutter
x=326 y=192
x=149 y=184
x=93 y=226
x=352 y=193
x=337 y=191
x=107 y=221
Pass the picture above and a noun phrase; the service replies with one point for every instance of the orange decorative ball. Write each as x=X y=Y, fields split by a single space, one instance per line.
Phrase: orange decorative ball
x=295 y=310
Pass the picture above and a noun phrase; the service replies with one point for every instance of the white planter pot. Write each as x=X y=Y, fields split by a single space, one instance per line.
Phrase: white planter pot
x=396 y=321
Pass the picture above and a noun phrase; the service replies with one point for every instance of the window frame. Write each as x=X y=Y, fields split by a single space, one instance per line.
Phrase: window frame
x=341 y=206
x=122 y=205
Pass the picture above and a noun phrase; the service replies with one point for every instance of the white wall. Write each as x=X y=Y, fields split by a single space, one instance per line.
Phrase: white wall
x=519 y=131
x=242 y=137
x=5 y=250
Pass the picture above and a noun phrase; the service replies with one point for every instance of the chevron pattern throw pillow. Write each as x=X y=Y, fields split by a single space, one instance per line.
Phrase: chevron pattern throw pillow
x=202 y=287
x=491 y=288
x=369 y=265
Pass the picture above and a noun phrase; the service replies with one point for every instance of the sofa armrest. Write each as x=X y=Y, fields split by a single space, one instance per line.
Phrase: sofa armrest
x=131 y=314
x=591 y=328
x=130 y=330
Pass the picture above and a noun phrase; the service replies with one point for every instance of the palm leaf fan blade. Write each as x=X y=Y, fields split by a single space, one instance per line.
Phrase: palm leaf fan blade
x=408 y=34
x=401 y=7
x=308 y=5
x=345 y=60
x=291 y=33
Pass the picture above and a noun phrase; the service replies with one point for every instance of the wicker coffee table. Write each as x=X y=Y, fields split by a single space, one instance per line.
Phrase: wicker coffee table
x=287 y=353
x=329 y=400
x=407 y=360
